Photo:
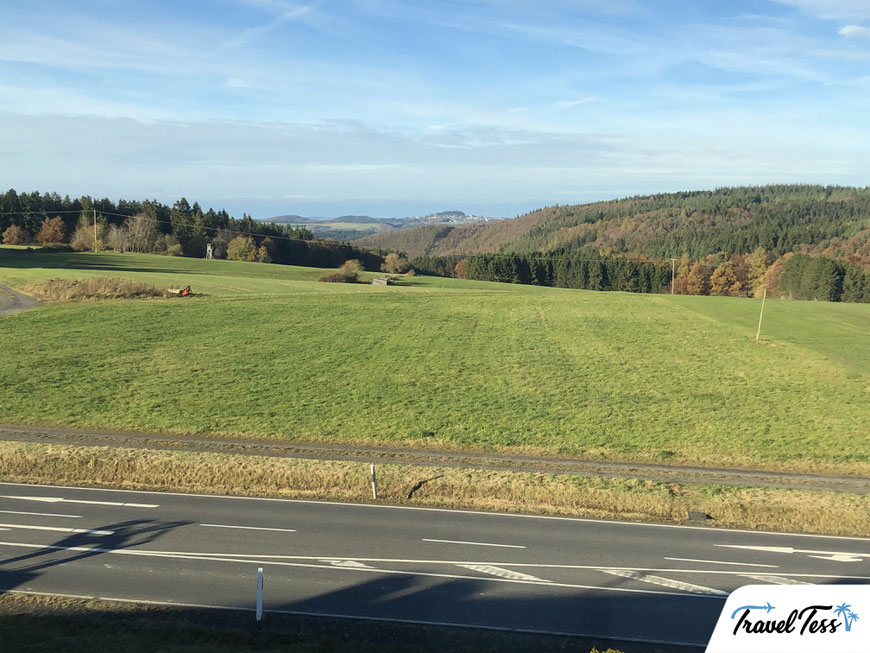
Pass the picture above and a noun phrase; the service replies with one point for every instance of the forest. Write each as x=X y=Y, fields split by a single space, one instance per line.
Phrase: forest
x=152 y=227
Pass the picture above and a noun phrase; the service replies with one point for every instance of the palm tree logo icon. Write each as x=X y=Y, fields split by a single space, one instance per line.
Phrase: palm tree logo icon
x=849 y=617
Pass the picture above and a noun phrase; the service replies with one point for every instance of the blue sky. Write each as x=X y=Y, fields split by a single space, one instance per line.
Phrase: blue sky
x=402 y=107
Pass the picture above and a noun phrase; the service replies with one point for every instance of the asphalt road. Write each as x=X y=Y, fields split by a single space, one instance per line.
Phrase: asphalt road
x=12 y=301
x=615 y=580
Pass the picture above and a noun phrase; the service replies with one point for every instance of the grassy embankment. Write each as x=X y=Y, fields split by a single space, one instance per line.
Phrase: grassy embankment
x=49 y=624
x=585 y=496
x=266 y=351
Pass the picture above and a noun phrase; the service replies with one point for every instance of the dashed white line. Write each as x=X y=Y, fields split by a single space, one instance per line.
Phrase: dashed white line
x=251 y=528
x=503 y=546
x=503 y=573
x=480 y=513
x=723 y=562
x=665 y=582
x=57 y=529
x=39 y=514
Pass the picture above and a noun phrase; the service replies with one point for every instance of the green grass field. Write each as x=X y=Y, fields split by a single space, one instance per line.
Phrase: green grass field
x=264 y=350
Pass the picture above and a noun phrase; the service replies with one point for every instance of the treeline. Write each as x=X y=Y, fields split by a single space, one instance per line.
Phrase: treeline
x=586 y=271
x=797 y=276
x=178 y=230
x=824 y=279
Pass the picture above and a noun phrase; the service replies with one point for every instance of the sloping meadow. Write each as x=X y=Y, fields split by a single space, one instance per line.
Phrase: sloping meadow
x=444 y=363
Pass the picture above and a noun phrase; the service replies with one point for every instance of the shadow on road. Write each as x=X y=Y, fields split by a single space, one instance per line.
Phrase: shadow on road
x=123 y=535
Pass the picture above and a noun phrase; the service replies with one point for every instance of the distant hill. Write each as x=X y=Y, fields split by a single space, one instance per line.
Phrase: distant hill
x=781 y=218
x=353 y=227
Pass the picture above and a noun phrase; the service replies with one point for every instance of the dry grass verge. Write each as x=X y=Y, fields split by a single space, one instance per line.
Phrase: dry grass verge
x=51 y=623
x=93 y=288
x=551 y=494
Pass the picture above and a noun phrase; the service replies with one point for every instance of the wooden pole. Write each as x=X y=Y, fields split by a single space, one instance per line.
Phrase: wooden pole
x=95 y=230
x=760 y=315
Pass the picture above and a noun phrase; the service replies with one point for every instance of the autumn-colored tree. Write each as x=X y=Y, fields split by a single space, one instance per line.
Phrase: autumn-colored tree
x=15 y=235
x=395 y=264
x=263 y=255
x=461 y=269
x=241 y=248
x=53 y=231
x=698 y=280
x=353 y=265
x=724 y=281
x=770 y=280
x=267 y=250
x=682 y=278
x=757 y=262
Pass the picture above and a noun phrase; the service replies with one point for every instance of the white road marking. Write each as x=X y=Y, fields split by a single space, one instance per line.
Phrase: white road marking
x=775 y=580
x=268 y=557
x=723 y=562
x=665 y=582
x=251 y=528
x=93 y=503
x=399 y=572
x=346 y=563
x=503 y=573
x=358 y=618
x=57 y=529
x=481 y=513
x=836 y=556
x=39 y=514
x=504 y=546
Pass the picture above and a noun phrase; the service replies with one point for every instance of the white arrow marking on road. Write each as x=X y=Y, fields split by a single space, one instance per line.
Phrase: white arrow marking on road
x=665 y=582
x=93 y=503
x=723 y=562
x=38 y=514
x=350 y=564
x=503 y=573
x=836 y=556
x=57 y=529
x=775 y=580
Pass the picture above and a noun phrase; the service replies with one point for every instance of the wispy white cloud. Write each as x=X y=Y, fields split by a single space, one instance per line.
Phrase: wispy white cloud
x=289 y=13
x=855 y=31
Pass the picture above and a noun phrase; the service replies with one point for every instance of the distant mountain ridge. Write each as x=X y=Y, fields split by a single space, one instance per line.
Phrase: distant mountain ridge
x=779 y=218
x=353 y=227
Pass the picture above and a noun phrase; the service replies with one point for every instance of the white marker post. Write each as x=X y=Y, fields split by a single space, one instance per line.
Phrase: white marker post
x=374 y=483
x=260 y=594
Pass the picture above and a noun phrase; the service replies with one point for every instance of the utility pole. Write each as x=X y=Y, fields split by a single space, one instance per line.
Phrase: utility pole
x=760 y=315
x=673 y=268
x=95 y=230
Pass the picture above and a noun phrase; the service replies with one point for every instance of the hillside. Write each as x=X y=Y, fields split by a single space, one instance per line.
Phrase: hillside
x=779 y=219
x=264 y=350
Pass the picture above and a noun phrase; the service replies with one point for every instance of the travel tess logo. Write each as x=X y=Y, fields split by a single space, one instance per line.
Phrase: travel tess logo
x=810 y=620
x=793 y=619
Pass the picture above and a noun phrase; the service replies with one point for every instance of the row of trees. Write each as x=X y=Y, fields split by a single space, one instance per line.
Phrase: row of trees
x=564 y=270
x=824 y=279
x=151 y=227
x=798 y=276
